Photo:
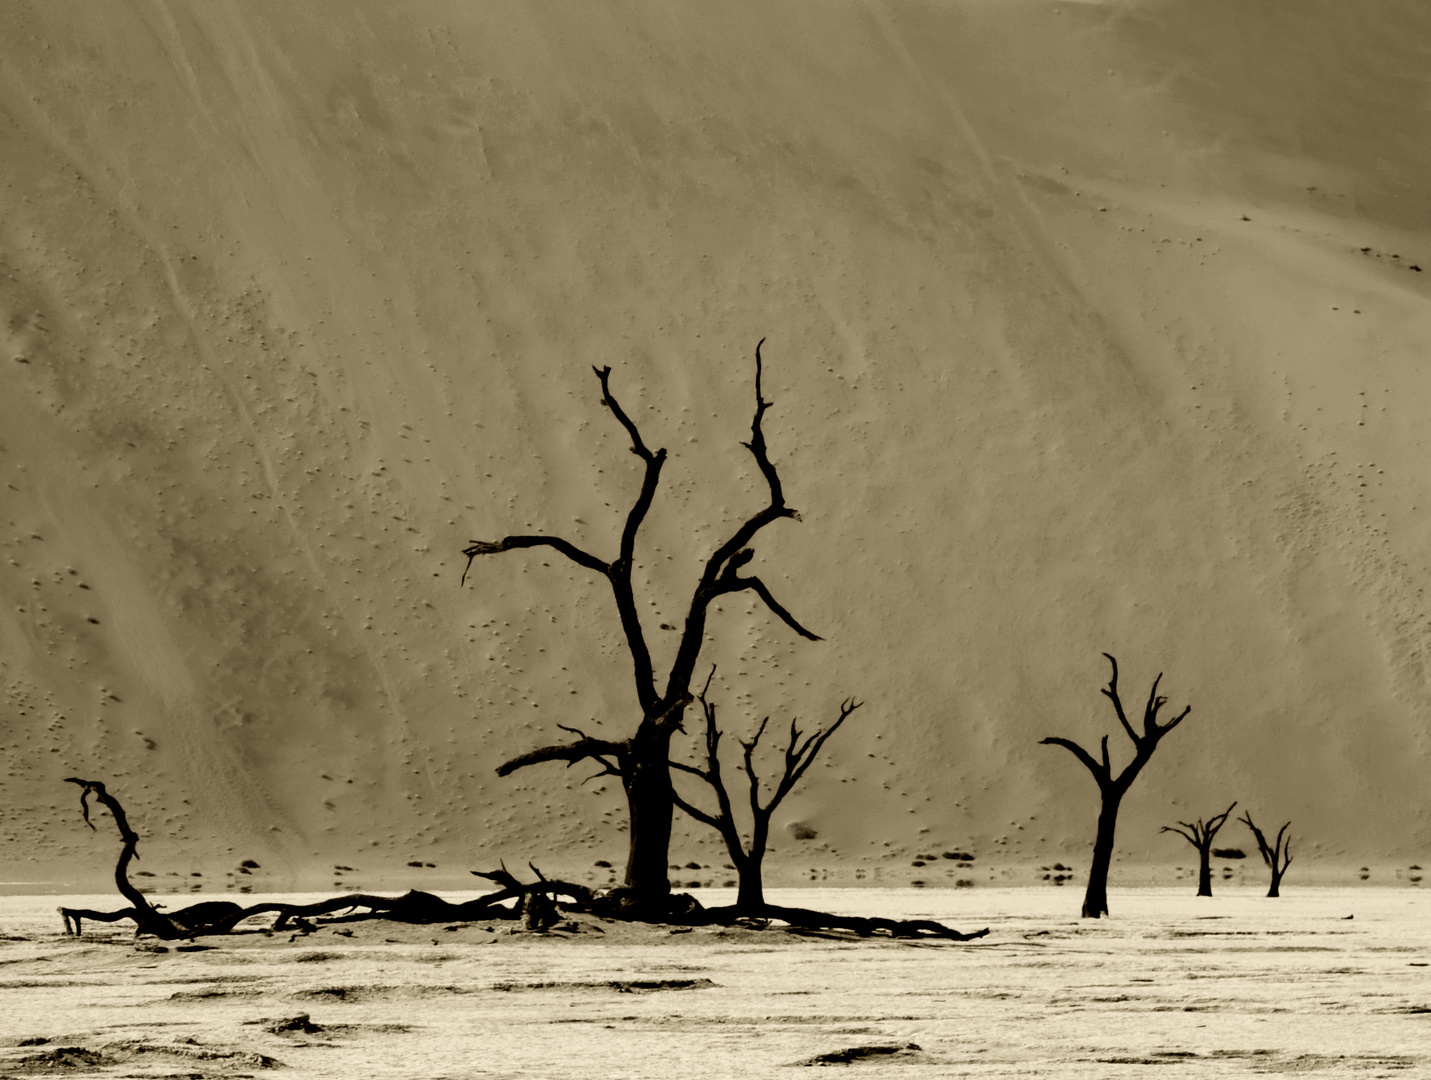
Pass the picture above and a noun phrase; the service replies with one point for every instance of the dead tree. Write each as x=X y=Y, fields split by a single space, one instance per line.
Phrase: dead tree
x=1200 y=836
x=208 y=917
x=798 y=755
x=535 y=904
x=149 y=920
x=1277 y=856
x=641 y=760
x=1113 y=788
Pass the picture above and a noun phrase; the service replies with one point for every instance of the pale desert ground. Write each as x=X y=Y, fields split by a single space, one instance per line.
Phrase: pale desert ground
x=1329 y=982
x=1089 y=327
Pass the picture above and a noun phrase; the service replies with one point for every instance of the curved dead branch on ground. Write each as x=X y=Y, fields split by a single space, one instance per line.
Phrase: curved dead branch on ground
x=539 y=904
x=212 y=916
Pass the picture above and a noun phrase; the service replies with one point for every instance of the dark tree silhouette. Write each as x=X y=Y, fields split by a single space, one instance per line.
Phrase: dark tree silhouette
x=1277 y=856
x=641 y=760
x=207 y=917
x=1200 y=835
x=1113 y=788
x=798 y=755
x=536 y=904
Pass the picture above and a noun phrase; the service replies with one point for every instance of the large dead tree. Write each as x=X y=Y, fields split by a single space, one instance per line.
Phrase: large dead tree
x=1277 y=856
x=641 y=760
x=1113 y=788
x=1200 y=835
x=798 y=755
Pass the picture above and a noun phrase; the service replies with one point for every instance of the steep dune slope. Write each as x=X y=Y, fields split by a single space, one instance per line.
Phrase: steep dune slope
x=1085 y=333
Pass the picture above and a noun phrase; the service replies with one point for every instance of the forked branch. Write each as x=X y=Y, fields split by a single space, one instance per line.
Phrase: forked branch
x=720 y=575
x=731 y=582
x=1277 y=855
x=800 y=751
x=1143 y=744
x=1112 y=788
x=1199 y=833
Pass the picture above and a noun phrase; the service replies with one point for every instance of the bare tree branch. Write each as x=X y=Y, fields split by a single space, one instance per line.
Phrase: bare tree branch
x=798 y=755
x=752 y=780
x=732 y=583
x=1099 y=773
x=1174 y=722
x=732 y=554
x=1190 y=835
x=571 y=753
x=799 y=758
x=756 y=446
x=511 y=543
x=638 y=447
x=1111 y=693
x=695 y=811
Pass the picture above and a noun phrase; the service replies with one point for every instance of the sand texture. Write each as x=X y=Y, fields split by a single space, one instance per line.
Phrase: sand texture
x=1331 y=982
x=1090 y=327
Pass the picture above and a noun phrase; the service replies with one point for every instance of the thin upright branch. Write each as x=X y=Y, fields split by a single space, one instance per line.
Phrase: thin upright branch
x=800 y=751
x=617 y=573
x=719 y=574
x=603 y=375
x=1111 y=693
x=756 y=446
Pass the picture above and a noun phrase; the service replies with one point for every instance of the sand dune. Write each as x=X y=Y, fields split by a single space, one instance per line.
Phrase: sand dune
x=1090 y=327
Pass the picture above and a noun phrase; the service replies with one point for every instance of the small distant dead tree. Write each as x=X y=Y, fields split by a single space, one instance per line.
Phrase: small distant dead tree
x=1113 y=788
x=641 y=760
x=798 y=755
x=1200 y=835
x=1277 y=856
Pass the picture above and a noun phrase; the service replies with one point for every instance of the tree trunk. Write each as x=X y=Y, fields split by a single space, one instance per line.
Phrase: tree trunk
x=1275 y=890
x=750 y=896
x=1204 y=871
x=1095 y=900
x=651 y=806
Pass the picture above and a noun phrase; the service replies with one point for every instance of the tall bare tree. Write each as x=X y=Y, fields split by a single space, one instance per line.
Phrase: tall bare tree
x=798 y=755
x=641 y=760
x=1200 y=835
x=1113 y=788
x=1277 y=856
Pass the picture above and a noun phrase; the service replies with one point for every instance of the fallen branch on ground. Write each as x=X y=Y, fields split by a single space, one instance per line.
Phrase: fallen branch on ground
x=536 y=904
